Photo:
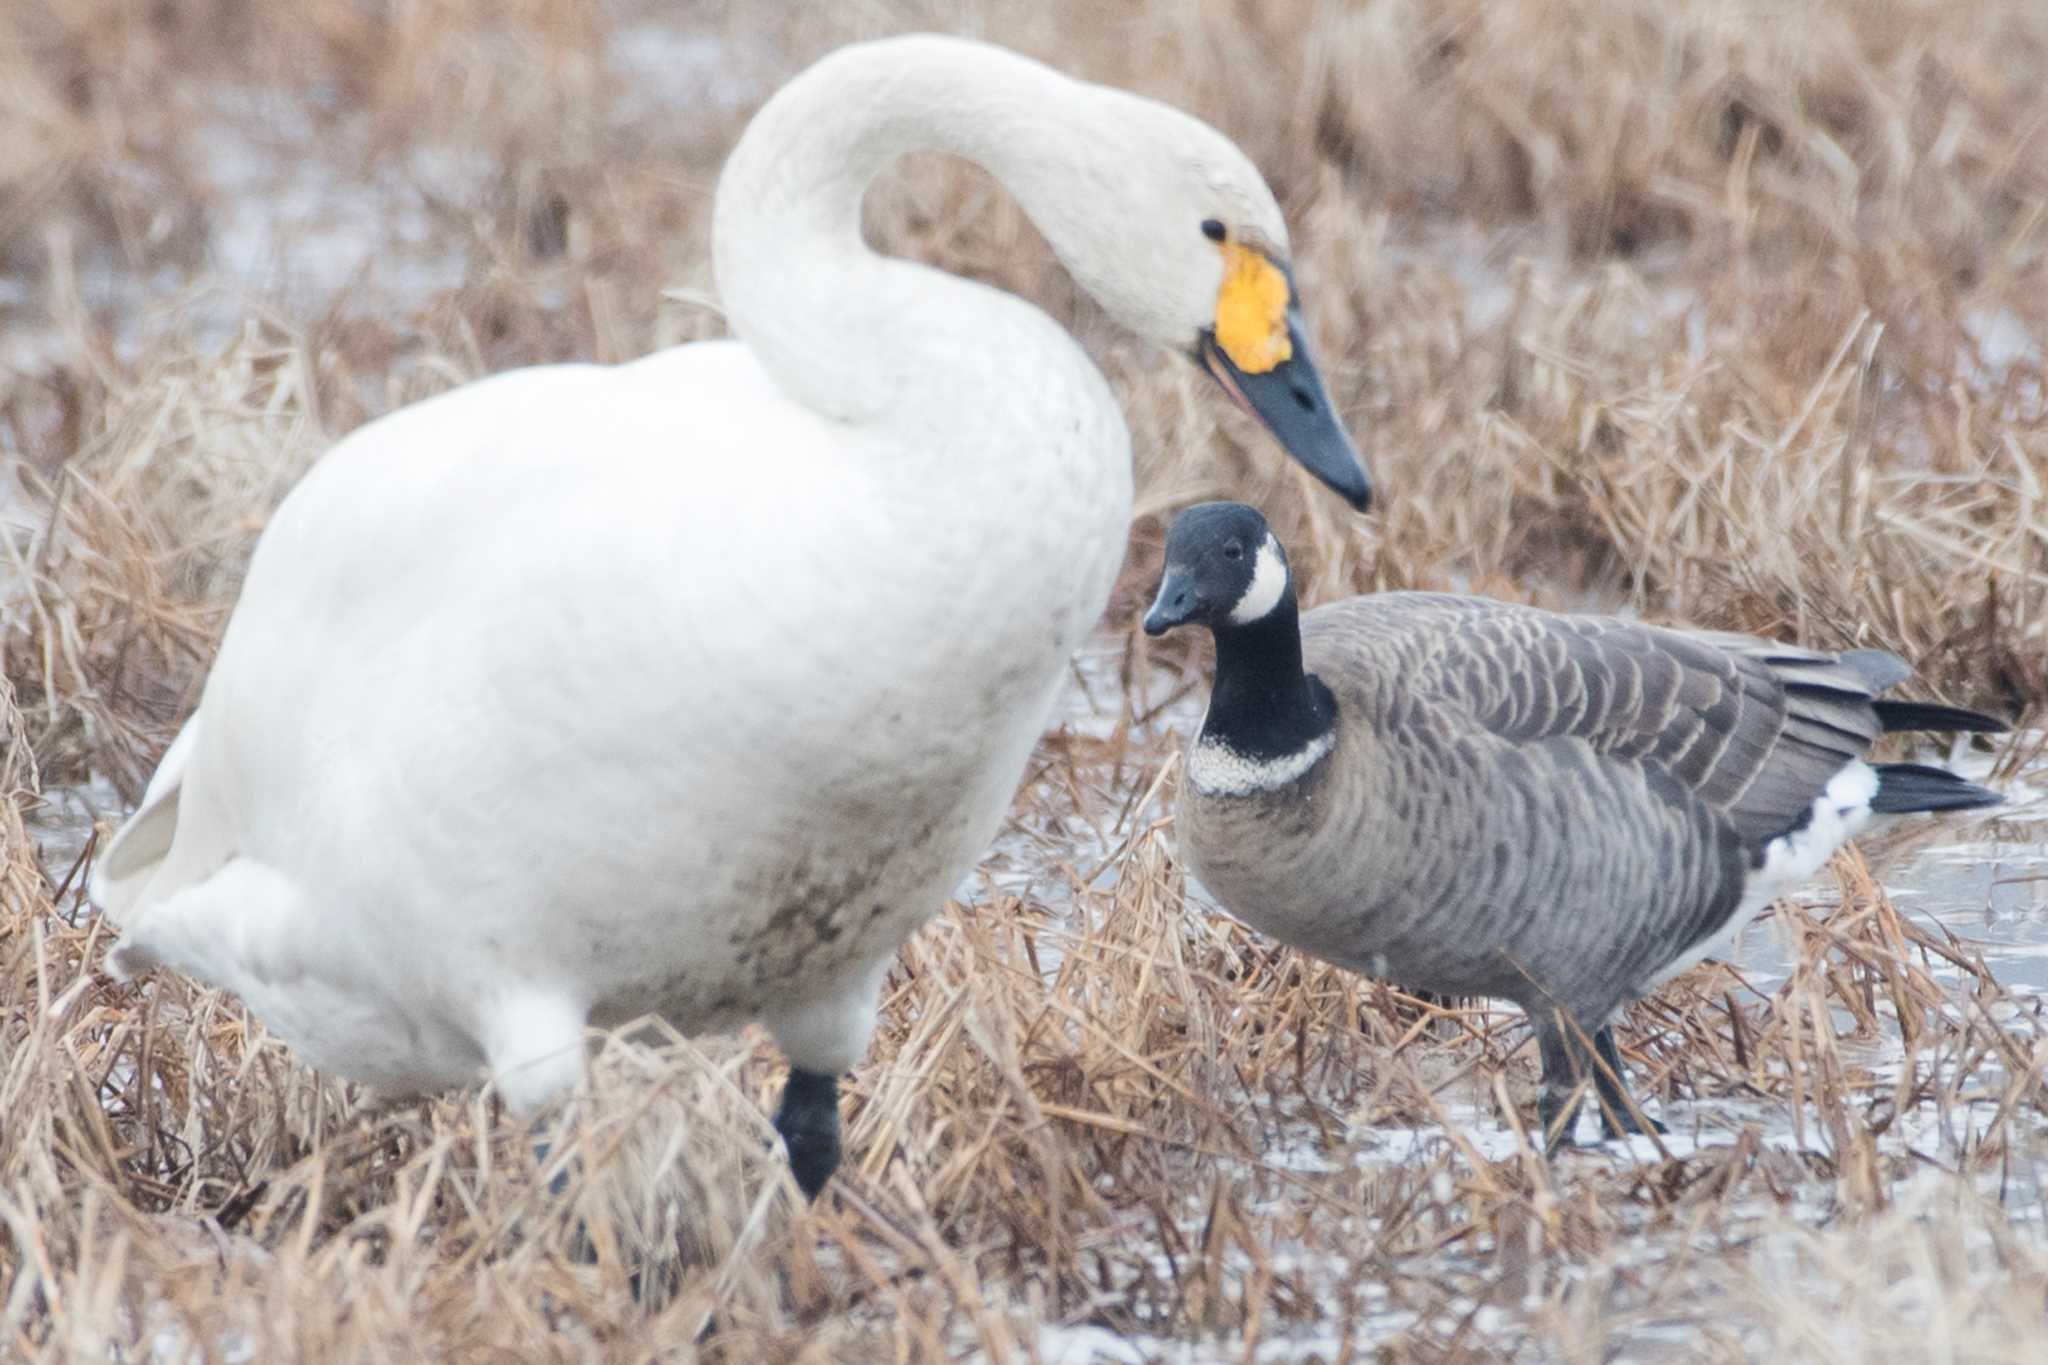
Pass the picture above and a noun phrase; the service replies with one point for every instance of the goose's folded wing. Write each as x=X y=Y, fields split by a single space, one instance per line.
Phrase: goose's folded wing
x=1751 y=728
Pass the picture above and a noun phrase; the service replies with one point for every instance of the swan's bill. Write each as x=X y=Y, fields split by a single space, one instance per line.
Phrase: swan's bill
x=1251 y=310
x=1288 y=400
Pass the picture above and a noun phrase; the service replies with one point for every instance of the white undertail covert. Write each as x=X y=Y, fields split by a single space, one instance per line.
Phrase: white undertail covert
x=1838 y=815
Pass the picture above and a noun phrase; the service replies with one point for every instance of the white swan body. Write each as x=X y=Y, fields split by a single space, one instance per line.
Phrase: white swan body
x=689 y=685
x=625 y=735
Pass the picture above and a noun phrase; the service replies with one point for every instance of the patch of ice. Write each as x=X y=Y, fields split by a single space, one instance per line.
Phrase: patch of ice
x=664 y=69
x=63 y=824
x=2000 y=342
x=310 y=227
x=1085 y=1345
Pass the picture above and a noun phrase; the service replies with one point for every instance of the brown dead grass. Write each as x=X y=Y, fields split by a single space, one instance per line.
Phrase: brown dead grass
x=1703 y=310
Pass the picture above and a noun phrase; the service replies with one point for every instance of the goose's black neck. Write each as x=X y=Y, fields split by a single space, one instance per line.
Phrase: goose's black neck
x=1264 y=704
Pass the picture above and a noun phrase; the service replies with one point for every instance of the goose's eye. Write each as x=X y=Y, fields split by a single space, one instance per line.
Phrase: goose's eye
x=1212 y=228
x=1233 y=551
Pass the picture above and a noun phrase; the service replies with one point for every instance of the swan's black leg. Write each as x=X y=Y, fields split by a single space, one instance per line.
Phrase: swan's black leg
x=580 y=1248
x=808 y=1119
x=1608 y=1080
x=559 y=1185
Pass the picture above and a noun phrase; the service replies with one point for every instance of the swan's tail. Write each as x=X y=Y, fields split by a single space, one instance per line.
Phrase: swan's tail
x=122 y=874
x=240 y=928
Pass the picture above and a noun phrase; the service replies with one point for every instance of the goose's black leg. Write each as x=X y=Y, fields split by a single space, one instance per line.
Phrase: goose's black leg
x=1557 y=1097
x=808 y=1119
x=1615 y=1106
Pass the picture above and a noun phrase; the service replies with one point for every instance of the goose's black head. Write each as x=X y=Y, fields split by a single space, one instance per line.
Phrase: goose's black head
x=1225 y=570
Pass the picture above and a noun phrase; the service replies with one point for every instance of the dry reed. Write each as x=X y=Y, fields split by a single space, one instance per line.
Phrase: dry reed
x=1718 y=312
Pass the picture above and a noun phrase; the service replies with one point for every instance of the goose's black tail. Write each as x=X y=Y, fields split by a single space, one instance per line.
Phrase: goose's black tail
x=1903 y=788
x=1927 y=715
x=1906 y=787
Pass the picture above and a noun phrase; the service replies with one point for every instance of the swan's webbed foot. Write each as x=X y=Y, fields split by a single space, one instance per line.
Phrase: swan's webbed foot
x=808 y=1120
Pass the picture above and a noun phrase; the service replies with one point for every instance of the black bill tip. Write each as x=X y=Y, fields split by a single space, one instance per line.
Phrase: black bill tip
x=1289 y=401
x=1173 y=606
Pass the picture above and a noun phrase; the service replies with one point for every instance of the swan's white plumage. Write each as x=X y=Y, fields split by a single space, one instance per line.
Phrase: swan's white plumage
x=689 y=685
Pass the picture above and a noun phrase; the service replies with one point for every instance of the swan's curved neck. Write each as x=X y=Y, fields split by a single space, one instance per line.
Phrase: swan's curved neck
x=848 y=332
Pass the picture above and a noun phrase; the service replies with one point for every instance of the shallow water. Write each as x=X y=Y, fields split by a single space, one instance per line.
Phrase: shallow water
x=1982 y=876
x=1991 y=892
x=63 y=825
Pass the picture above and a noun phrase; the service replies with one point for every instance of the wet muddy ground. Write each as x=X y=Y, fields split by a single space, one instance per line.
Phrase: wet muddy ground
x=1096 y=787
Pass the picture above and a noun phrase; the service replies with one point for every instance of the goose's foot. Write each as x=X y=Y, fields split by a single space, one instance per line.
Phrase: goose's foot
x=1620 y=1115
x=1629 y=1124
x=1568 y=1064
x=1557 y=1116
x=808 y=1120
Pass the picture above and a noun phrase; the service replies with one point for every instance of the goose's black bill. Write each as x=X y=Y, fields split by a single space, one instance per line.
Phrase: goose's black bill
x=1289 y=401
x=1175 y=605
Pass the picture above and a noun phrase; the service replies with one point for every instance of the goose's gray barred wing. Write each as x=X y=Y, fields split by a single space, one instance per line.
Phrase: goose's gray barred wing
x=1749 y=728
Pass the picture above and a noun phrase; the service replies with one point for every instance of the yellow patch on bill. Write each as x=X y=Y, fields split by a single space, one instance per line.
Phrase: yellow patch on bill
x=1251 y=311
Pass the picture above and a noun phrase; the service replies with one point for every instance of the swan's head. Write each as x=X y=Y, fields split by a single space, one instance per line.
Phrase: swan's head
x=1225 y=569
x=1174 y=231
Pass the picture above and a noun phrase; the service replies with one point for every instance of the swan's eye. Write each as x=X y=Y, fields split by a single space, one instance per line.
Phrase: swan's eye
x=1213 y=229
x=1233 y=551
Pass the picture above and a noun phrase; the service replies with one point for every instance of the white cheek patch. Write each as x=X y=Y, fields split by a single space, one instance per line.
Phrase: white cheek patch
x=1269 y=580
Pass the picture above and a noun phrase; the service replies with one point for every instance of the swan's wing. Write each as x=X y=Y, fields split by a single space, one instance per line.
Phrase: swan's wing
x=427 y=530
x=566 y=591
